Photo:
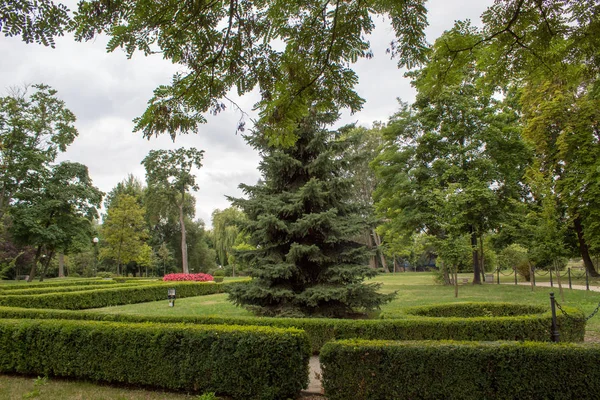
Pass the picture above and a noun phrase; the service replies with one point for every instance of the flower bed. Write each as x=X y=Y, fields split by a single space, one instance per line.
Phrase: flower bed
x=199 y=277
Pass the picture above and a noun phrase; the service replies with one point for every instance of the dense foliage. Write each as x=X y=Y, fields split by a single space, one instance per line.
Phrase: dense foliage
x=302 y=223
x=320 y=331
x=241 y=362
x=358 y=369
x=104 y=297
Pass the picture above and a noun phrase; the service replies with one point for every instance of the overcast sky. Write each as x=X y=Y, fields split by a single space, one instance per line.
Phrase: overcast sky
x=106 y=91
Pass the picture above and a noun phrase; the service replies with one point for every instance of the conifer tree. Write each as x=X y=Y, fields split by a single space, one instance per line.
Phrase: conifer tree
x=302 y=224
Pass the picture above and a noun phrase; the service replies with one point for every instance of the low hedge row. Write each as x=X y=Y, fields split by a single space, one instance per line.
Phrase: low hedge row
x=475 y=309
x=58 y=283
x=61 y=289
x=321 y=331
x=378 y=370
x=241 y=362
x=111 y=297
x=135 y=279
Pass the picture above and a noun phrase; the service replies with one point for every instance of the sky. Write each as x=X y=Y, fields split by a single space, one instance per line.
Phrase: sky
x=106 y=91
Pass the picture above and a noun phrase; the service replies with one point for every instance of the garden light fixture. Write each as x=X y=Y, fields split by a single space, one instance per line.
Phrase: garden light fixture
x=171 y=297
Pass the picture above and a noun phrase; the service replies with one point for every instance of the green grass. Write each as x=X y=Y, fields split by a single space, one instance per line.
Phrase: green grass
x=413 y=289
x=17 y=387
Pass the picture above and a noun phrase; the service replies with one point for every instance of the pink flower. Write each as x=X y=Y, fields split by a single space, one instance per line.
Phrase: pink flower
x=199 y=277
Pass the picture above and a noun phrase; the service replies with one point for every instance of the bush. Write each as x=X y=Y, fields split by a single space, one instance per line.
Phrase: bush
x=35 y=290
x=200 y=277
x=472 y=309
x=241 y=362
x=373 y=370
x=321 y=331
x=129 y=294
x=58 y=283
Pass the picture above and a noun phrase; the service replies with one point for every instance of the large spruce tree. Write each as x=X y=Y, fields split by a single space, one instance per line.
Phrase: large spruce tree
x=303 y=224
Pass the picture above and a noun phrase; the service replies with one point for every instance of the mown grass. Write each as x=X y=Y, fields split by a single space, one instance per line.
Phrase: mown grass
x=413 y=289
x=18 y=387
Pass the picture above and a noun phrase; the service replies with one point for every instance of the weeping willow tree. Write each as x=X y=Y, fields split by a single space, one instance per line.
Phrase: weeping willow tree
x=226 y=228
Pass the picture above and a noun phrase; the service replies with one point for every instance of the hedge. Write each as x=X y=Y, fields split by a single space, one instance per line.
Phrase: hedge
x=35 y=290
x=111 y=297
x=374 y=370
x=475 y=309
x=321 y=331
x=70 y=282
x=241 y=362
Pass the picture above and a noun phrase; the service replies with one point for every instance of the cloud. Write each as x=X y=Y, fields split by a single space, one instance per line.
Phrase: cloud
x=106 y=91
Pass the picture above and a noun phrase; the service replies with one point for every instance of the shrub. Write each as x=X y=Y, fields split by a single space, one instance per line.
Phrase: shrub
x=321 y=331
x=59 y=283
x=241 y=362
x=472 y=309
x=199 y=277
x=129 y=294
x=36 y=290
x=373 y=370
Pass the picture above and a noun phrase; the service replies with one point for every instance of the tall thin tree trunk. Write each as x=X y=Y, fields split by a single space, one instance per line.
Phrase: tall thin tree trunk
x=45 y=266
x=38 y=252
x=184 y=255
x=377 y=239
x=476 y=269
x=481 y=257
x=455 y=273
x=584 y=249
x=61 y=265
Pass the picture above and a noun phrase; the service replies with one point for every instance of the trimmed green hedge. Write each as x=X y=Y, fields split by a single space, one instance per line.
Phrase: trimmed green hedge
x=136 y=279
x=129 y=294
x=378 y=370
x=70 y=282
x=321 y=331
x=475 y=309
x=61 y=289
x=241 y=362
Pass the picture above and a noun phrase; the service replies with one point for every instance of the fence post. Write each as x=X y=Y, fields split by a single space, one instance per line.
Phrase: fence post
x=587 y=280
x=554 y=329
x=551 y=282
x=569 y=272
x=498 y=275
x=515 y=269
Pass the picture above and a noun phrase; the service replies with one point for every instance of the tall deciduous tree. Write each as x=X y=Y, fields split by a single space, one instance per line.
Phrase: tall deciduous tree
x=124 y=231
x=169 y=172
x=455 y=137
x=301 y=222
x=34 y=126
x=226 y=228
x=363 y=147
x=237 y=45
x=550 y=49
x=54 y=216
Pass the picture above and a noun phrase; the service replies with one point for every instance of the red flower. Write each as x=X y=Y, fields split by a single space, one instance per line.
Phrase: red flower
x=199 y=277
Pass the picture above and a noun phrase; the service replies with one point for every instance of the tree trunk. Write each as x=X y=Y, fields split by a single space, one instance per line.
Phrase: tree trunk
x=456 y=281
x=583 y=248
x=45 y=267
x=370 y=245
x=381 y=255
x=38 y=252
x=476 y=269
x=481 y=257
x=61 y=265
x=184 y=256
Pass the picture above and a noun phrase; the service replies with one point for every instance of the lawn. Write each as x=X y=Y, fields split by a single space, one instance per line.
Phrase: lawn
x=412 y=289
x=18 y=387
